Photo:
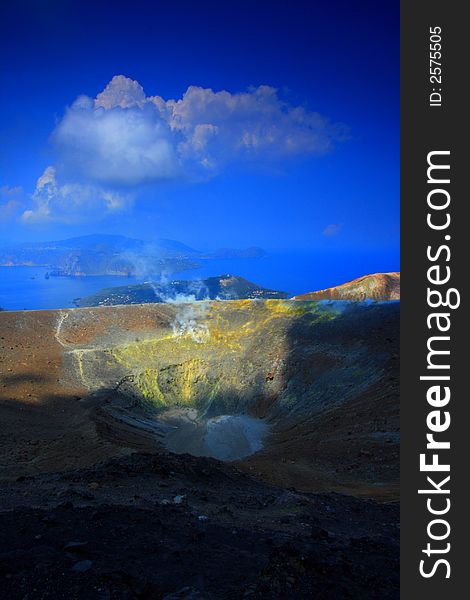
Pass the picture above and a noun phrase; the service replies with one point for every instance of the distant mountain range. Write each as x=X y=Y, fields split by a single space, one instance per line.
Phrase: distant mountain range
x=378 y=286
x=223 y=287
x=114 y=255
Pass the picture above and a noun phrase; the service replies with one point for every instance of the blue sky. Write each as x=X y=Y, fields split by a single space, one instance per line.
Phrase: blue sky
x=267 y=123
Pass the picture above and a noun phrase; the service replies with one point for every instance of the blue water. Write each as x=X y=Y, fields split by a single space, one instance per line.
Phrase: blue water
x=27 y=288
x=292 y=272
x=300 y=272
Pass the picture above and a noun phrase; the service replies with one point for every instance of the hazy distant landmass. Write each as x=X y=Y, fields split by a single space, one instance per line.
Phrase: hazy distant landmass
x=223 y=287
x=113 y=255
x=378 y=286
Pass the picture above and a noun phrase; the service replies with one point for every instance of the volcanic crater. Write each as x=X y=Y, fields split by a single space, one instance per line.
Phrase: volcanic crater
x=296 y=397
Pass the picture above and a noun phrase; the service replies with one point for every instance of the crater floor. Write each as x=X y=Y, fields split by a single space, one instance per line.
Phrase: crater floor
x=82 y=385
x=226 y=437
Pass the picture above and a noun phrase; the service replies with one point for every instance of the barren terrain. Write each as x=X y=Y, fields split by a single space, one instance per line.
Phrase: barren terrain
x=95 y=506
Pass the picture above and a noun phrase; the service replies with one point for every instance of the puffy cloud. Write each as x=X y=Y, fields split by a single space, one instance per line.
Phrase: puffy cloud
x=124 y=137
x=123 y=92
x=219 y=127
x=70 y=202
x=118 y=146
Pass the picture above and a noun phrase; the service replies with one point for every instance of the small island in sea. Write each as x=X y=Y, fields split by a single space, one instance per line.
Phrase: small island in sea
x=223 y=287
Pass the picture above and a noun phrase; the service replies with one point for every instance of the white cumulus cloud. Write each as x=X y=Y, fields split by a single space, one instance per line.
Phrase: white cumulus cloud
x=123 y=92
x=70 y=202
x=123 y=137
x=109 y=145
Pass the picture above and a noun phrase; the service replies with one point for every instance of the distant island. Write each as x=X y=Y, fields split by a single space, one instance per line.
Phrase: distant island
x=378 y=286
x=97 y=254
x=223 y=287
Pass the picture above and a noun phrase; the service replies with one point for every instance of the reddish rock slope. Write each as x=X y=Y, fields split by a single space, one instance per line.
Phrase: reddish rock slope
x=379 y=286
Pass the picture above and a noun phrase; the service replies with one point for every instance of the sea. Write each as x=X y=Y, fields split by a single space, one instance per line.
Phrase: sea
x=29 y=288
